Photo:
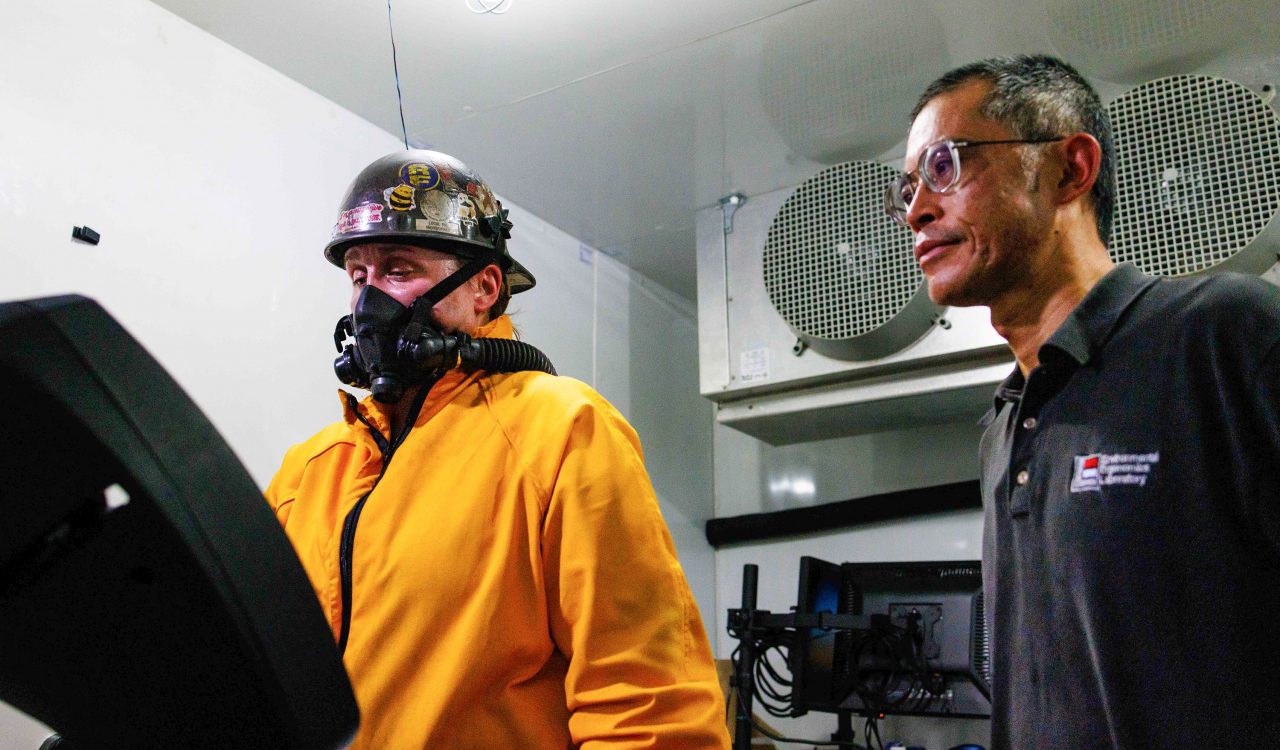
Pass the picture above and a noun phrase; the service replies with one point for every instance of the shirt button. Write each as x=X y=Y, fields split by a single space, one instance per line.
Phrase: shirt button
x=1029 y=423
x=1023 y=477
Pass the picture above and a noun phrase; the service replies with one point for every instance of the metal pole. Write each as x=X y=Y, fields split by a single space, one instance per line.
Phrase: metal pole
x=745 y=676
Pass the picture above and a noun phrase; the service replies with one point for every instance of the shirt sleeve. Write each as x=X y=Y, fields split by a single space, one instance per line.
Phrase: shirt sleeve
x=640 y=671
x=1267 y=420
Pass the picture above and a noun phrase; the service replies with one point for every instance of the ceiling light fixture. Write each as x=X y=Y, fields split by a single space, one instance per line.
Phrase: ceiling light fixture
x=494 y=7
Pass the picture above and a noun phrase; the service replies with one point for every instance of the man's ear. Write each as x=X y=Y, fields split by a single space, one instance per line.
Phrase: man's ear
x=1082 y=158
x=488 y=285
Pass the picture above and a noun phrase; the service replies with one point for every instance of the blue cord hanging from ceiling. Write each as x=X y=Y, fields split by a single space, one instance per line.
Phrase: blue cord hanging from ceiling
x=395 y=66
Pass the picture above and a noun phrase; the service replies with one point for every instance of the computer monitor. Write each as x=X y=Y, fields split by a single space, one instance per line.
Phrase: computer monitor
x=148 y=597
x=922 y=648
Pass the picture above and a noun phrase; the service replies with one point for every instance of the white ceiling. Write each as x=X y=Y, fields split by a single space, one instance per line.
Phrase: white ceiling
x=617 y=119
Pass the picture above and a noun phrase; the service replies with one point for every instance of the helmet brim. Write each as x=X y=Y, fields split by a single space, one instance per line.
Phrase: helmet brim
x=519 y=279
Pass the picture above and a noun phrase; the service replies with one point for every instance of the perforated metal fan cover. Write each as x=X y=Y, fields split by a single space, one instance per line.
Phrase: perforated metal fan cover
x=1110 y=27
x=1197 y=177
x=840 y=272
x=838 y=80
x=1130 y=41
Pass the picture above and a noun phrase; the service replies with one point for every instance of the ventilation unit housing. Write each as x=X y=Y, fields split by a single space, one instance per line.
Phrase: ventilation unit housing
x=815 y=320
x=841 y=275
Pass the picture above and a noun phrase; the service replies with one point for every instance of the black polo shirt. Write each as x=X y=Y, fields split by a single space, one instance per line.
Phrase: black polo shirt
x=1131 y=487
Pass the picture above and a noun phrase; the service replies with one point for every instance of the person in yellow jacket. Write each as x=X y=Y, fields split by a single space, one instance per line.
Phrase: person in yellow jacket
x=481 y=533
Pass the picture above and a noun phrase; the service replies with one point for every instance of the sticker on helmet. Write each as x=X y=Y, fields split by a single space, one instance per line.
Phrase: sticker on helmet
x=360 y=217
x=488 y=204
x=438 y=210
x=400 y=198
x=467 y=213
x=436 y=206
x=420 y=175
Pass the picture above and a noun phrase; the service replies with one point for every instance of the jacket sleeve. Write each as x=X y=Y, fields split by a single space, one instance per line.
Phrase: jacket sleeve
x=284 y=486
x=640 y=671
x=282 y=490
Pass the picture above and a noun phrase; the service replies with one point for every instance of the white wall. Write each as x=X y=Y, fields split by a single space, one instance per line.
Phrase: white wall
x=213 y=181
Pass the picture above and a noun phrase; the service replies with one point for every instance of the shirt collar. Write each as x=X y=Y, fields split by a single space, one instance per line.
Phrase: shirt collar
x=1088 y=326
x=1010 y=389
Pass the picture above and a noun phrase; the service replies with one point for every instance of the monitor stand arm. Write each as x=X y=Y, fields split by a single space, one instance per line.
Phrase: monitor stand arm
x=746 y=624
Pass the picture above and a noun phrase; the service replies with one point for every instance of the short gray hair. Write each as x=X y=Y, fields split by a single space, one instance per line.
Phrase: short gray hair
x=1039 y=96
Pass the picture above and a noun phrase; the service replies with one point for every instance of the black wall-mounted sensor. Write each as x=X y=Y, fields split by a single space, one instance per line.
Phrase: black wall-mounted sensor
x=85 y=234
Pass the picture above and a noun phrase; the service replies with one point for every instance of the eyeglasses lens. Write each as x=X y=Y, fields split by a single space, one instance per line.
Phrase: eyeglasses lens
x=939 y=167
x=897 y=198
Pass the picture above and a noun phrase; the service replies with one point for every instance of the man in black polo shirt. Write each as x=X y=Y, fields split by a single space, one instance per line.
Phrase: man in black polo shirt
x=1131 y=463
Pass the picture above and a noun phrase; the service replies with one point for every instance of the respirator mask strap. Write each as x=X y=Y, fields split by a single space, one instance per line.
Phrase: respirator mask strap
x=420 y=316
x=423 y=304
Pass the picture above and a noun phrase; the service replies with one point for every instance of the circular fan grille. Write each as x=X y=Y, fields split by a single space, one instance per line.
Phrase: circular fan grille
x=835 y=265
x=1110 y=27
x=1197 y=173
x=838 y=79
x=1136 y=40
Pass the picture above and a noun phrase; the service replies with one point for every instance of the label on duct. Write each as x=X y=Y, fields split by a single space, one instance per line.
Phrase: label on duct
x=753 y=364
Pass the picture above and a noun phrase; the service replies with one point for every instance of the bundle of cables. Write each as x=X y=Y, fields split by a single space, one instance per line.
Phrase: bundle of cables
x=888 y=667
x=885 y=666
x=772 y=687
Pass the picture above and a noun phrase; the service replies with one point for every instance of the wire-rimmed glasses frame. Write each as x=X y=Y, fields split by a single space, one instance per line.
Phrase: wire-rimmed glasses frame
x=938 y=167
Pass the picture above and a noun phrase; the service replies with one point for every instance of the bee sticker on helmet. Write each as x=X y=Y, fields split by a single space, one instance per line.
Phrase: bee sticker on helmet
x=420 y=175
x=361 y=217
x=400 y=198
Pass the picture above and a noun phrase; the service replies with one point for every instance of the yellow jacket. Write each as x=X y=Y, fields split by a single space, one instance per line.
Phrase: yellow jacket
x=511 y=581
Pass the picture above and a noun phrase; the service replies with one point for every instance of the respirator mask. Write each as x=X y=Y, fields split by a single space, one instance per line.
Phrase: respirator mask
x=395 y=347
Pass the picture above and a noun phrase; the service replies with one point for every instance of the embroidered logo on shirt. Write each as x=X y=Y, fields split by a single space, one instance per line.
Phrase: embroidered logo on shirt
x=1093 y=471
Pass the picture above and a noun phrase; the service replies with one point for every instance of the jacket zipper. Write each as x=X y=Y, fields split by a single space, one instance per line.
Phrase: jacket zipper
x=347 y=543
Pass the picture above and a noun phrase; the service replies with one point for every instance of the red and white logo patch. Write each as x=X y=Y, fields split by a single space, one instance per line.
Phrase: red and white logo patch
x=1093 y=471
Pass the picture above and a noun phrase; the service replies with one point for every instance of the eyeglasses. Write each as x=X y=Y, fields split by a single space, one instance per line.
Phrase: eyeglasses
x=939 y=168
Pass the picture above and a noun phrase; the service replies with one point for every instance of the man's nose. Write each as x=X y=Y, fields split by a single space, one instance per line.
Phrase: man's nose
x=924 y=207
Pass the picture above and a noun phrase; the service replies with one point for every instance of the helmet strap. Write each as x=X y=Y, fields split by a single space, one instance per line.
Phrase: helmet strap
x=423 y=304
